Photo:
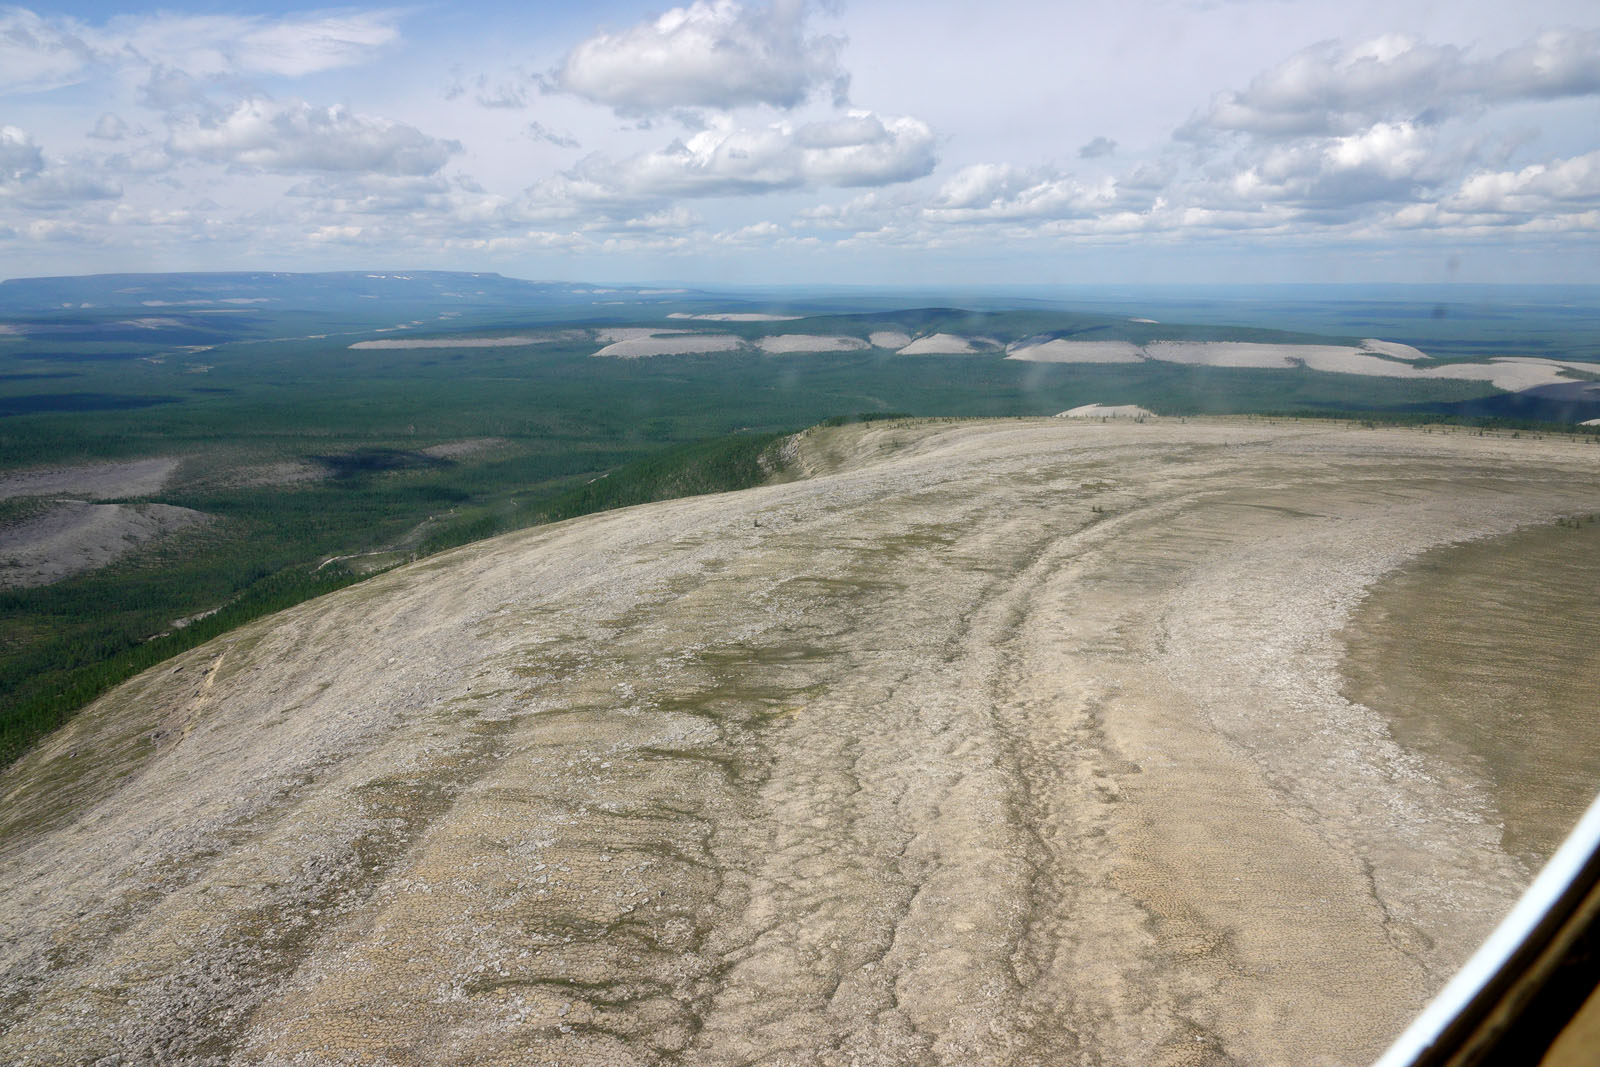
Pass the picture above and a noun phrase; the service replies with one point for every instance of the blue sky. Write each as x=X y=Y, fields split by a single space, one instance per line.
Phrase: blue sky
x=894 y=143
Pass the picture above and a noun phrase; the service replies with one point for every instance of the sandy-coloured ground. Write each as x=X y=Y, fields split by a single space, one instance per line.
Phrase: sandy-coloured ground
x=1060 y=351
x=1393 y=349
x=98 y=481
x=74 y=536
x=891 y=339
x=669 y=343
x=1333 y=359
x=985 y=743
x=1511 y=373
x=219 y=300
x=151 y=322
x=466 y=447
x=1240 y=353
x=631 y=333
x=947 y=344
x=455 y=342
x=1106 y=411
x=295 y=471
x=1376 y=358
x=735 y=316
x=282 y=472
x=808 y=342
x=1459 y=652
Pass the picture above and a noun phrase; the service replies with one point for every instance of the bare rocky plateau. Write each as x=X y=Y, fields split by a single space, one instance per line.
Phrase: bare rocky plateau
x=1011 y=742
x=74 y=536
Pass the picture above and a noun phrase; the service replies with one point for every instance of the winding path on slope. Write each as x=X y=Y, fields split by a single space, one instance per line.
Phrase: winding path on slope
x=1004 y=743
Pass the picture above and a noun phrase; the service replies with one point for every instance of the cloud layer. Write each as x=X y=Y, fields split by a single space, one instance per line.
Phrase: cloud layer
x=1333 y=89
x=297 y=136
x=39 y=52
x=719 y=54
x=722 y=127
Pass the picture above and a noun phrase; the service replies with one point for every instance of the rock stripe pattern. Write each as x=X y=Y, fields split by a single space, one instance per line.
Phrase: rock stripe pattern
x=1014 y=742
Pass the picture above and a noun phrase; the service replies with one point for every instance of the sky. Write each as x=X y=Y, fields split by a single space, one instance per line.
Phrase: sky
x=787 y=142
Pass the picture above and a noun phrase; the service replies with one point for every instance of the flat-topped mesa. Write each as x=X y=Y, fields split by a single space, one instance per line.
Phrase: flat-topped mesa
x=1107 y=411
x=949 y=344
x=670 y=343
x=1062 y=351
x=712 y=780
x=1393 y=349
x=69 y=537
x=734 y=316
x=1373 y=358
x=810 y=342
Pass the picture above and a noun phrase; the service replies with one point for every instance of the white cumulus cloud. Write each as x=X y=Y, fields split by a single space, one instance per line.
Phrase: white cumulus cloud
x=297 y=136
x=109 y=127
x=20 y=157
x=1000 y=192
x=1543 y=188
x=40 y=52
x=29 y=179
x=37 y=53
x=713 y=53
x=1335 y=88
x=1387 y=162
x=858 y=150
x=249 y=44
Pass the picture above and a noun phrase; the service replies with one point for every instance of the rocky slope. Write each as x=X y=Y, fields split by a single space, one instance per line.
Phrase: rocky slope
x=1003 y=743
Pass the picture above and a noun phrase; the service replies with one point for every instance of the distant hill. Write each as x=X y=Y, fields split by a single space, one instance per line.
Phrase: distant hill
x=284 y=291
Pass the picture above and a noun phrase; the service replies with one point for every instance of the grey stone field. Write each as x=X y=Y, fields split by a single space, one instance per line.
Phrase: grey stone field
x=1010 y=742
